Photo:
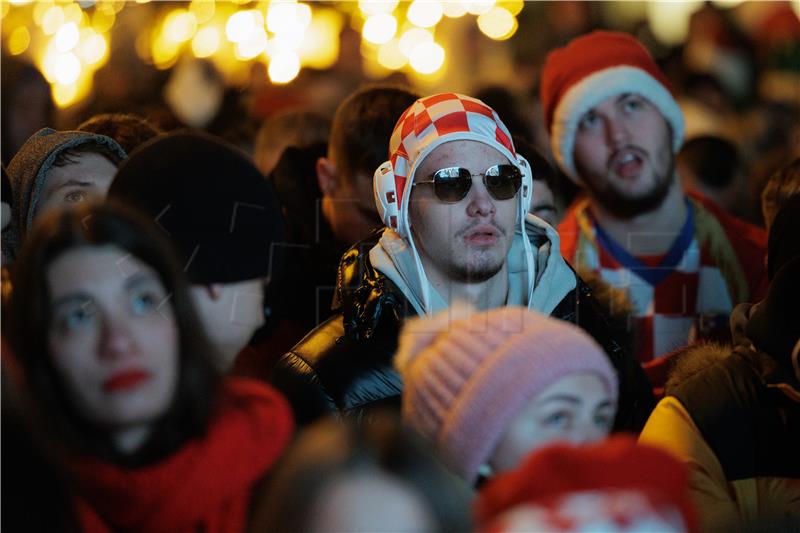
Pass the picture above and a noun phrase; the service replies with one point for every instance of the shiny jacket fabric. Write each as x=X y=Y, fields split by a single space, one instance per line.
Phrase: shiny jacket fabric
x=345 y=364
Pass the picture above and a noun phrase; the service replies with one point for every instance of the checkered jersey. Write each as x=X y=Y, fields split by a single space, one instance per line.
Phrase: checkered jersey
x=689 y=301
x=436 y=119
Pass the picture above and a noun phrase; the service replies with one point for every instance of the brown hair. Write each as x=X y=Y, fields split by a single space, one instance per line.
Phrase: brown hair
x=69 y=156
x=362 y=126
x=781 y=186
x=127 y=129
x=98 y=225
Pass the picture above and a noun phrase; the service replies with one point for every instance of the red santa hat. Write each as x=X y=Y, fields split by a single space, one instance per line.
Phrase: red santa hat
x=591 y=69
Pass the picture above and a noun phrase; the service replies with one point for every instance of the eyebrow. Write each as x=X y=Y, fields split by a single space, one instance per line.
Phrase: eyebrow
x=74 y=183
x=140 y=278
x=562 y=397
x=623 y=96
x=81 y=297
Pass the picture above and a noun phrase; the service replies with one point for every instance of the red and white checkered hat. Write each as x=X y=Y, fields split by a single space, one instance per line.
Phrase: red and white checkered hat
x=587 y=71
x=438 y=119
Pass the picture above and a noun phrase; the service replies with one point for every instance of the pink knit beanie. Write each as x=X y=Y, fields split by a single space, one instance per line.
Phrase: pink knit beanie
x=466 y=376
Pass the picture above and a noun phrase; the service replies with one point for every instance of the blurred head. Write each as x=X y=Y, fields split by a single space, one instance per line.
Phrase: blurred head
x=104 y=327
x=127 y=129
x=613 y=123
x=712 y=166
x=616 y=485
x=289 y=128
x=487 y=388
x=223 y=218
x=370 y=476
x=544 y=203
x=359 y=142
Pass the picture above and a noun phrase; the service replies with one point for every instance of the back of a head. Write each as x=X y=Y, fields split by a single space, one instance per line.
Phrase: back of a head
x=219 y=212
x=712 y=161
x=298 y=129
x=127 y=129
x=362 y=126
x=332 y=452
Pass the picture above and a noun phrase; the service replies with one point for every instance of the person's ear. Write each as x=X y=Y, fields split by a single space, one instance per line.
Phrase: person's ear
x=326 y=176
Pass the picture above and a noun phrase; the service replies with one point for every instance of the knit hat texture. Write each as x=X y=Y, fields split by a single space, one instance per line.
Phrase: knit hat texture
x=566 y=483
x=220 y=213
x=438 y=119
x=466 y=376
x=587 y=71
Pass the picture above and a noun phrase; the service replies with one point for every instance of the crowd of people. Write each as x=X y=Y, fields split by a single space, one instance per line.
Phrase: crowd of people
x=388 y=321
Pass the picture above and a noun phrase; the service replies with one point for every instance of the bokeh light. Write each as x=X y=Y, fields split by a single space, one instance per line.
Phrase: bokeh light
x=498 y=24
x=424 y=13
x=390 y=56
x=379 y=28
x=206 y=42
x=412 y=38
x=19 y=40
x=66 y=37
x=242 y=24
x=284 y=67
x=373 y=7
x=179 y=26
x=427 y=58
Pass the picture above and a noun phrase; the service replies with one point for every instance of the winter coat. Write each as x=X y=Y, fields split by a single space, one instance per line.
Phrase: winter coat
x=345 y=364
x=733 y=415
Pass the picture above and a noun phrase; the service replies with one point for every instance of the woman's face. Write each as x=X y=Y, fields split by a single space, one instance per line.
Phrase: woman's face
x=113 y=337
x=577 y=408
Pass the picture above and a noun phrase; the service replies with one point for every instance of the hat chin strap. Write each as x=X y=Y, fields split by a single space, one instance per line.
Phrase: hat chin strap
x=425 y=285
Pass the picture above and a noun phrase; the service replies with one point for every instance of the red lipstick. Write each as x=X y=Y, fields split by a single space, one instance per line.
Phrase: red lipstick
x=125 y=380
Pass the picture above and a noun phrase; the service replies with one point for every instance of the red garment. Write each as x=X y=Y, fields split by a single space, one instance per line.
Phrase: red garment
x=203 y=487
x=693 y=300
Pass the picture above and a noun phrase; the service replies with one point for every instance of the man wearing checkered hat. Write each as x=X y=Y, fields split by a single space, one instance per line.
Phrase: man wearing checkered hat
x=615 y=128
x=454 y=197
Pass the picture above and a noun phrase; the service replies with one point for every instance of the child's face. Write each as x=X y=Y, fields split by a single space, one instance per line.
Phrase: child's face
x=577 y=408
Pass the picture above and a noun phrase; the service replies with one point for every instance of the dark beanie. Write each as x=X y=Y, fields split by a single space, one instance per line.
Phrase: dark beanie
x=220 y=213
x=784 y=236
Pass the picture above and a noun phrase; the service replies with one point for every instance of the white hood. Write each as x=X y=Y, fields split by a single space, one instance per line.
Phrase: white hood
x=553 y=278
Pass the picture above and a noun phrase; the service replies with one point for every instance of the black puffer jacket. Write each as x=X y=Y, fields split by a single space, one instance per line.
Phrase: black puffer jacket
x=345 y=364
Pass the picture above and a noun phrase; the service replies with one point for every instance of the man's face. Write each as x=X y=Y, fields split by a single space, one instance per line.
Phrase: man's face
x=466 y=241
x=88 y=177
x=623 y=153
x=352 y=209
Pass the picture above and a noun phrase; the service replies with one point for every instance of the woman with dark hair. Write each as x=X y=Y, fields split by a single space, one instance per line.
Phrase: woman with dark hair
x=118 y=371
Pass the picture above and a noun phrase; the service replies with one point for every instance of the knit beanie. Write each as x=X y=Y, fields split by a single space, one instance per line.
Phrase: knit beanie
x=433 y=121
x=615 y=485
x=587 y=71
x=220 y=213
x=466 y=376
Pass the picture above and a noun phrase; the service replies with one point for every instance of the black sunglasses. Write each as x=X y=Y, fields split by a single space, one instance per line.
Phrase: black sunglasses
x=451 y=184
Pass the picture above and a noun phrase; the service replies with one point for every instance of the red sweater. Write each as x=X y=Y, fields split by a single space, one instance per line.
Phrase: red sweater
x=205 y=486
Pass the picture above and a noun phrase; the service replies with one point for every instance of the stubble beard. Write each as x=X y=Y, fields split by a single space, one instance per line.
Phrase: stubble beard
x=623 y=205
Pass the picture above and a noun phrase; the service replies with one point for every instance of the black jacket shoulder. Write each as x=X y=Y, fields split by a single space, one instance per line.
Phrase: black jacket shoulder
x=345 y=364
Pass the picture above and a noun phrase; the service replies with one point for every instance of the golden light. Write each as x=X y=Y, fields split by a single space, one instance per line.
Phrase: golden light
x=64 y=95
x=39 y=10
x=287 y=41
x=253 y=46
x=19 y=40
x=242 y=24
x=206 y=42
x=19 y=2
x=670 y=20
x=453 y=8
x=390 y=56
x=726 y=4
x=67 y=37
x=52 y=19
x=513 y=6
x=379 y=28
x=164 y=52
x=74 y=13
x=498 y=24
x=320 y=47
x=67 y=69
x=373 y=7
x=203 y=10
x=424 y=13
x=103 y=20
x=479 y=7
x=413 y=38
x=281 y=15
x=179 y=26
x=796 y=7
x=92 y=49
x=4 y=8
x=427 y=58
x=284 y=67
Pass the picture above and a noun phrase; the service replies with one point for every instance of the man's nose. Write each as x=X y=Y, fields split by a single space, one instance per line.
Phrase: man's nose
x=616 y=130
x=481 y=202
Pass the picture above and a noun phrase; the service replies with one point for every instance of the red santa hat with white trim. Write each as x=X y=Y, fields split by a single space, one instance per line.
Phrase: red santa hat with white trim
x=587 y=71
